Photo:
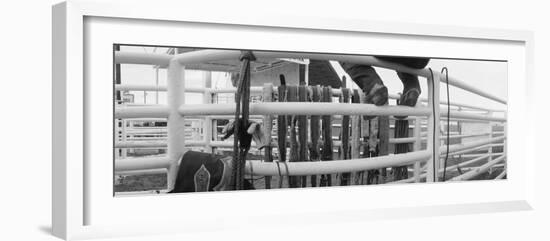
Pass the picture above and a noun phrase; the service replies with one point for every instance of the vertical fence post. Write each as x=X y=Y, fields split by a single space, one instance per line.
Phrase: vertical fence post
x=207 y=99
x=417 y=144
x=176 y=125
x=433 y=128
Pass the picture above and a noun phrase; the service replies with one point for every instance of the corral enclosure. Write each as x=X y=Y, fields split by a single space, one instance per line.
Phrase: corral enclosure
x=476 y=124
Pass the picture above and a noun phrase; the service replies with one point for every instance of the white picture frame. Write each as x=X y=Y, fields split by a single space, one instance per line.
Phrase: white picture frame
x=72 y=195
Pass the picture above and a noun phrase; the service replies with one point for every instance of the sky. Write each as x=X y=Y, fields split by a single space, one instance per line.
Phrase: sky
x=489 y=76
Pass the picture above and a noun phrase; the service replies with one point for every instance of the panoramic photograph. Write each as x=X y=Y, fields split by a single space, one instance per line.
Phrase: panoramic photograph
x=190 y=119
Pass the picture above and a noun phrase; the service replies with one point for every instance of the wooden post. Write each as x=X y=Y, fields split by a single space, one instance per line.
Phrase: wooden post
x=292 y=96
x=326 y=180
x=281 y=131
x=268 y=125
x=176 y=125
x=207 y=99
x=345 y=177
x=315 y=132
x=433 y=129
x=302 y=132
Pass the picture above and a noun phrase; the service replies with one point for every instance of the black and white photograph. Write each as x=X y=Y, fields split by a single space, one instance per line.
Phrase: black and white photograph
x=191 y=119
x=281 y=120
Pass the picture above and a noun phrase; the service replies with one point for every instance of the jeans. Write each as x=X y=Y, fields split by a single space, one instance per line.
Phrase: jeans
x=366 y=77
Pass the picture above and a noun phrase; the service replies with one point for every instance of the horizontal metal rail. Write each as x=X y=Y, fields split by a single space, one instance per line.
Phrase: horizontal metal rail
x=469 y=145
x=142 y=58
x=157 y=111
x=469 y=150
x=162 y=88
x=453 y=104
x=469 y=116
x=271 y=169
x=141 y=163
x=449 y=168
x=257 y=90
x=203 y=56
x=304 y=108
x=327 y=167
x=141 y=144
x=161 y=111
x=142 y=172
x=479 y=170
x=501 y=175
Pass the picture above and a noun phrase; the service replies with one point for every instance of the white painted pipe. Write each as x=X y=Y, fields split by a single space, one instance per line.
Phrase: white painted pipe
x=176 y=125
x=304 y=108
x=253 y=89
x=449 y=168
x=473 y=144
x=141 y=144
x=146 y=119
x=129 y=87
x=328 y=167
x=146 y=132
x=479 y=170
x=417 y=144
x=142 y=172
x=369 y=163
x=469 y=116
x=142 y=58
x=373 y=61
x=256 y=90
x=443 y=136
x=469 y=150
x=433 y=140
x=141 y=163
x=202 y=56
x=501 y=175
x=157 y=111
x=481 y=154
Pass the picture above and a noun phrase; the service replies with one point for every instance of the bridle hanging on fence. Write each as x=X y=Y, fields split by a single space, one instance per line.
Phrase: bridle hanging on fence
x=242 y=141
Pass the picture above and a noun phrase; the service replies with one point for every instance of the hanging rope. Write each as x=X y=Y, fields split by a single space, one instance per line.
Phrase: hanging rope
x=242 y=140
x=448 y=121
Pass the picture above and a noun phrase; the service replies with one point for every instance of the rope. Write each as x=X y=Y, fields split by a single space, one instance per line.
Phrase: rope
x=242 y=141
x=448 y=120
